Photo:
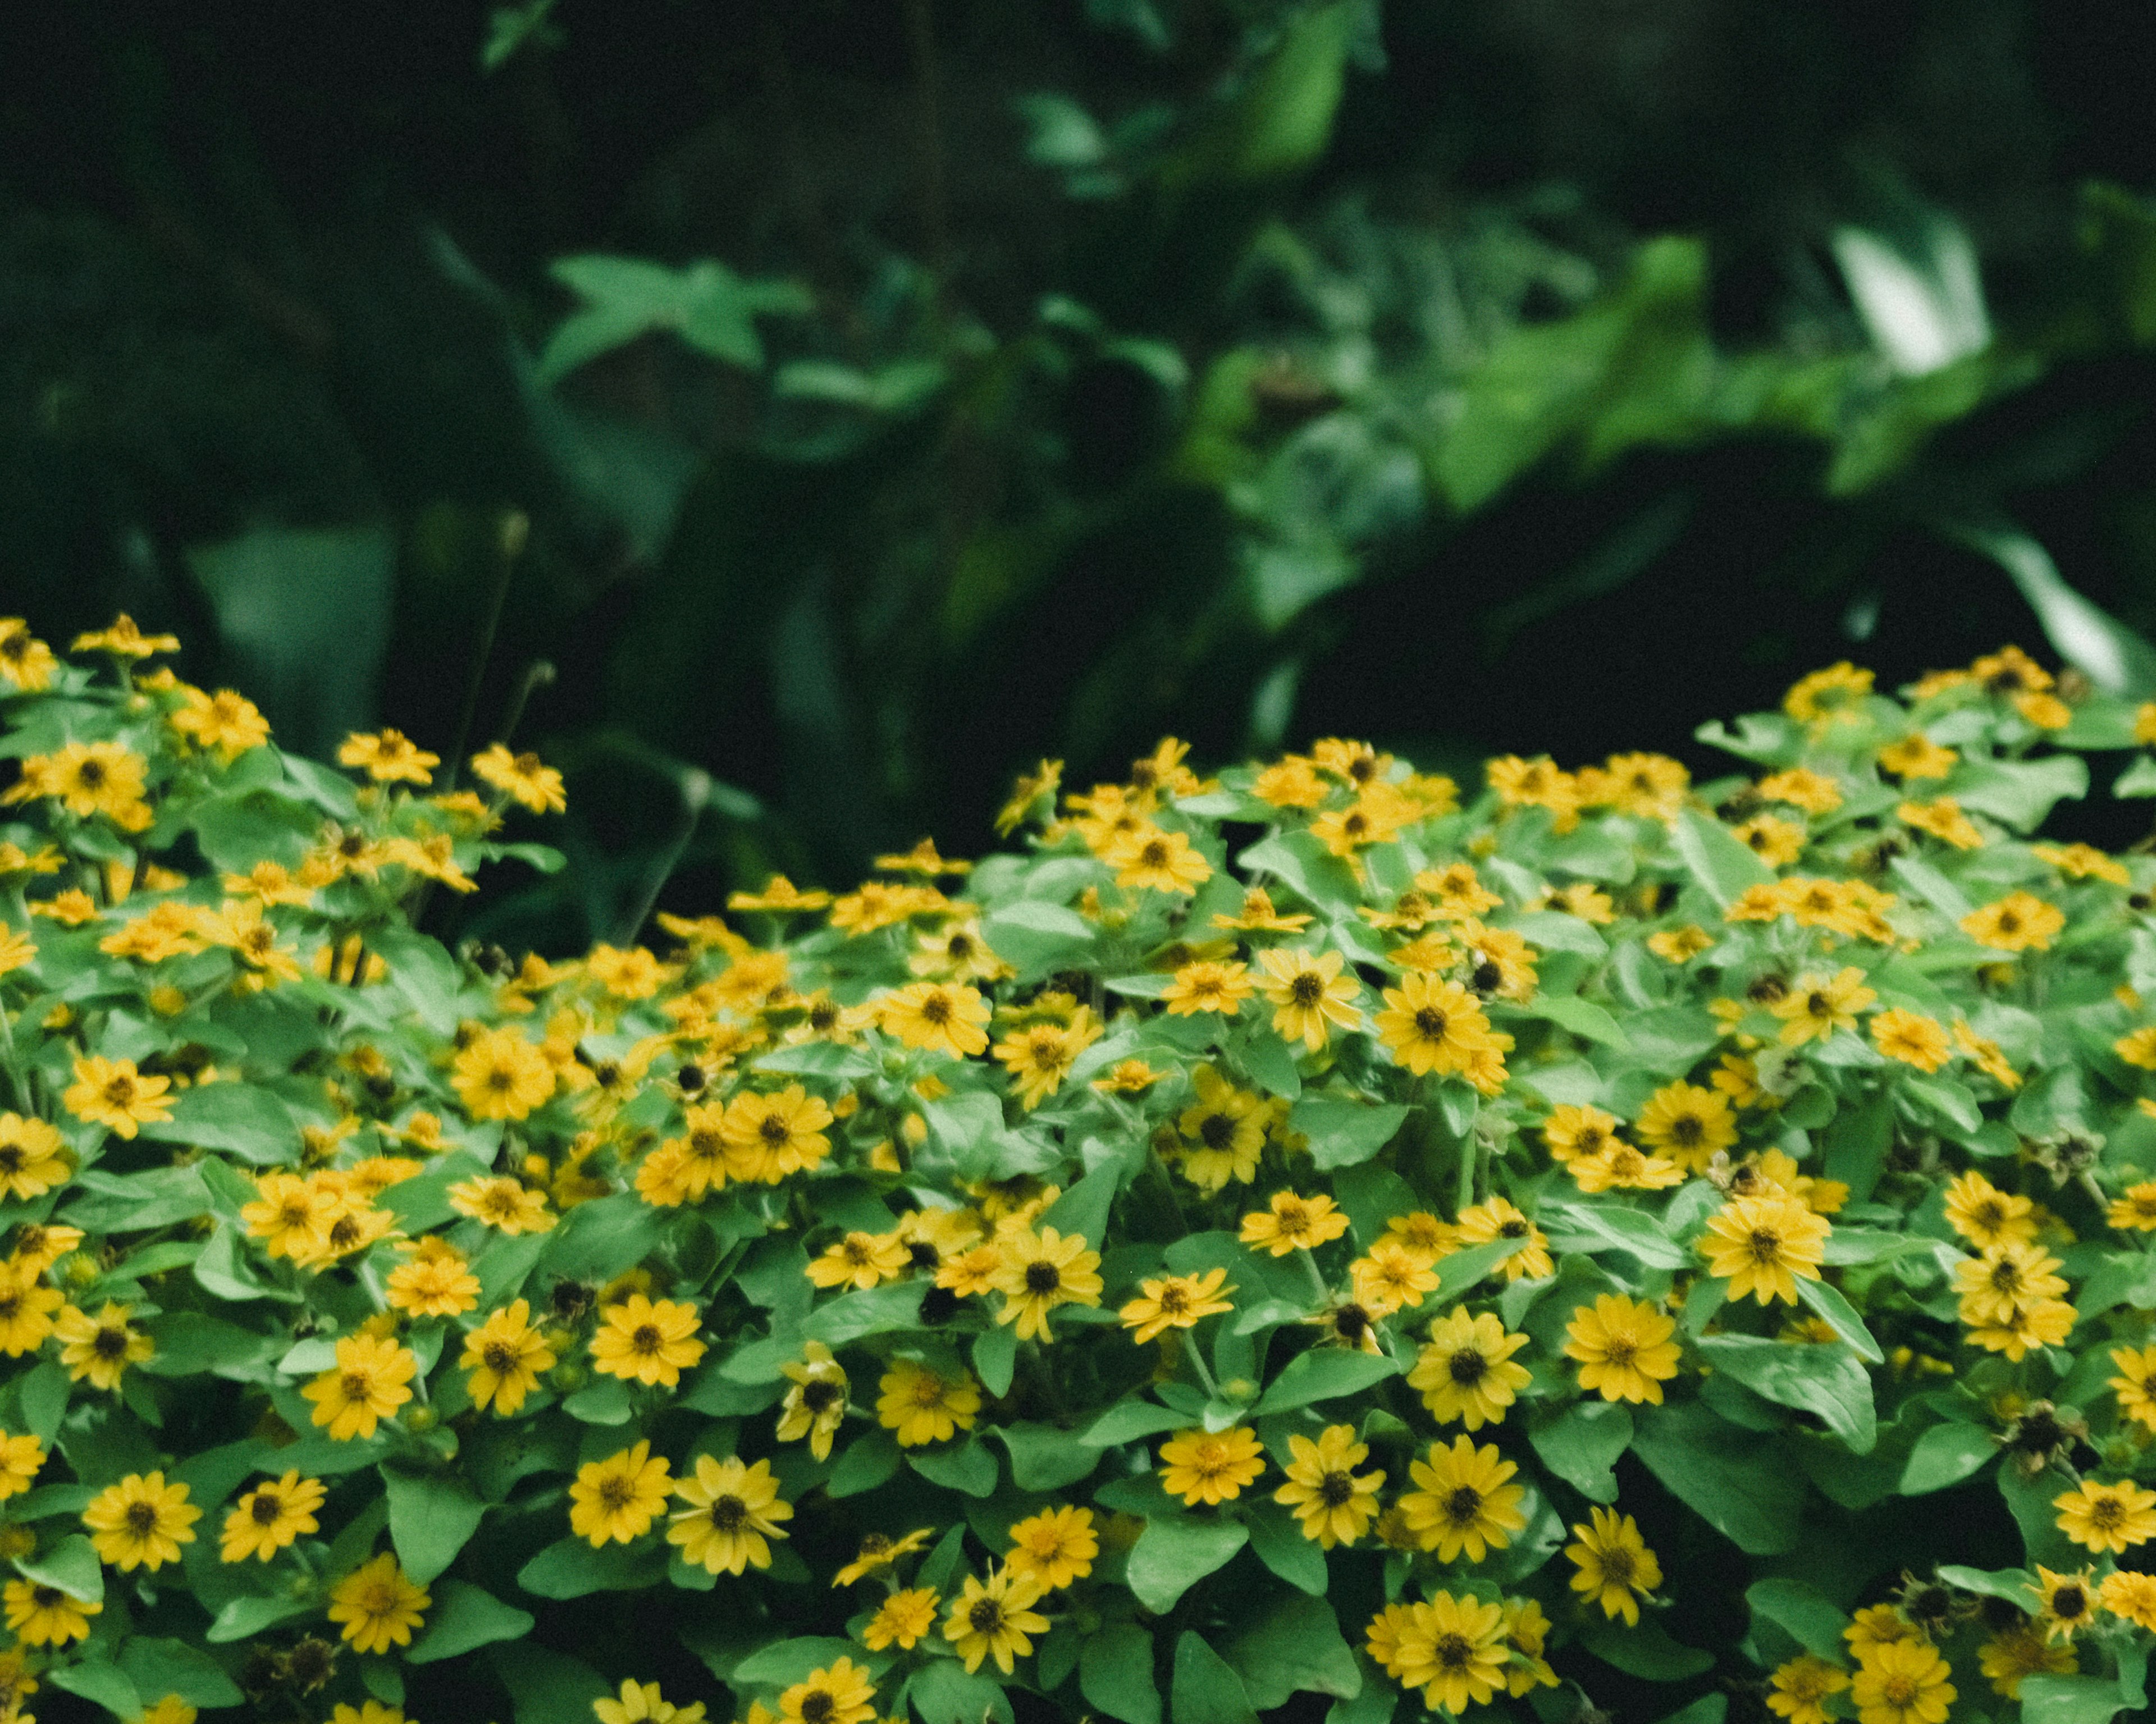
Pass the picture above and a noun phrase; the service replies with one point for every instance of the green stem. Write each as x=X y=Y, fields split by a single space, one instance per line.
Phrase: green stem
x=1198 y=1364
x=1316 y=1280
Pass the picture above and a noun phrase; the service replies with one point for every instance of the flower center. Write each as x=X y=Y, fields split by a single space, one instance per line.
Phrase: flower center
x=820 y=1395
x=1217 y=1131
x=265 y=1509
x=647 y=1340
x=499 y=1358
x=1306 y=989
x=1454 y=1652
x=818 y=1707
x=142 y=1518
x=1335 y=1489
x=1464 y=1506
x=986 y=1616
x=1468 y=1367
x=1765 y=1245
x=1042 y=1278
x=728 y=1512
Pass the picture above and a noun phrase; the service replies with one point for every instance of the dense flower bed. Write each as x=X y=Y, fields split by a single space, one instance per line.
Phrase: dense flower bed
x=1286 y=1241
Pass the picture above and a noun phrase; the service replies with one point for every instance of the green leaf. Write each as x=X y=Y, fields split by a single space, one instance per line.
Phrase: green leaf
x=1343 y=1133
x=1739 y=1484
x=1602 y=1227
x=1294 y=1648
x=1582 y=1444
x=1045 y=1458
x=546 y=1686
x=1276 y=1535
x=1811 y=1618
x=1460 y=1271
x=191 y=1343
x=107 y=1685
x=943 y=1693
x=2138 y=779
x=1038 y=938
x=969 y=1466
x=1821 y=1379
x=160 y=1667
x=463 y=1618
x=2071 y=1699
x=71 y=1565
x=867 y=1462
x=995 y=1357
x=785 y=1662
x=570 y=1568
x=432 y=1517
x=1083 y=1210
x=1175 y=1552
x=1301 y=859
x=1583 y=1018
x=2018 y=792
x=1718 y=859
x=1114 y=1674
x=1839 y=1316
x=2114 y=658
x=706 y=305
x=1128 y=1421
x=1707 y=1709
x=1324 y=1374
x=2016 y=1586
x=42 y=1392
x=510 y=27
x=869 y=1311
x=1206 y=1689
x=1946 y=1454
x=243 y=1617
x=1646 y=1651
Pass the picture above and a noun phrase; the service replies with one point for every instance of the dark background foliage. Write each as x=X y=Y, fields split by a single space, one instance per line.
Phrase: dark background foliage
x=1474 y=377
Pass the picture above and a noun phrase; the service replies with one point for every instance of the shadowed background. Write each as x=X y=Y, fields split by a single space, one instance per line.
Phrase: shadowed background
x=898 y=391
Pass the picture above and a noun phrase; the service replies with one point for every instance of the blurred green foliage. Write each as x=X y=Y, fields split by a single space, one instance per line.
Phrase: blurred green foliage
x=853 y=400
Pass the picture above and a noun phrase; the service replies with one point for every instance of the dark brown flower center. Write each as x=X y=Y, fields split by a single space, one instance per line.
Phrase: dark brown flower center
x=1042 y=1278
x=1464 y=1506
x=1468 y=1367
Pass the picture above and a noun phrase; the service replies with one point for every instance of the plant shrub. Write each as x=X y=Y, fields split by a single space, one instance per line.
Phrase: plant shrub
x=1281 y=1242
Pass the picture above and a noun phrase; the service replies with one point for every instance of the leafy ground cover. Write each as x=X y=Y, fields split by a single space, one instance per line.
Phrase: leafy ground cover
x=1314 y=1238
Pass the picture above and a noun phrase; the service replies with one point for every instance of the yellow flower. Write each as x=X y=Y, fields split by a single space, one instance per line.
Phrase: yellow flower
x=1333 y=1503
x=366 y=1384
x=141 y=1522
x=768 y=1138
x=2084 y=862
x=25 y=661
x=1624 y=1348
x=642 y=1703
x=124 y=640
x=2015 y=923
x=1680 y=946
x=1462 y=1502
x=1432 y=1026
x=1054 y=1547
x=1040 y=1271
x=1211 y=1467
x=171 y=1709
x=878 y=1552
x=1485 y=1223
x=270 y=1516
x=1146 y=858
x=617 y=1498
x=436 y=1283
x=378 y=1604
x=32 y=1157
x=226 y=721
x=1943 y=818
x=2066 y=1603
x=815 y=1406
x=43 y=1615
x=1453 y=1649
x=523 y=778
x=938 y=1016
x=2107 y=1517
x=1176 y=1302
x=1911 y=1038
x=922 y=1406
x=1824 y=695
x=1995 y=1284
x=389 y=756
x=1761 y=1245
x=88 y=778
x=1040 y=1056
x=2019 y=1652
x=1798 y=1691
x=1391 y=1276
x=732 y=1510
x=843 y=1694
x=21 y=1459
x=113 y=1094
x=99 y=1350
x=26 y=1307
x=1904 y=1683
x=2138 y=1046
x=1308 y=993
x=1467 y=1371
x=1816 y=1006
x=859 y=1260
x=1294 y=1223
x=1616 y=1568
x=647 y=1341
x=2132 y=1595
x=1223 y=1131
x=505 y=1356
x=994 y=1618
x=1687 y=1124
x=903 y=1620
x=1028 y=789
x=506 y=1205
x=1917 y=756
x=499 y=1075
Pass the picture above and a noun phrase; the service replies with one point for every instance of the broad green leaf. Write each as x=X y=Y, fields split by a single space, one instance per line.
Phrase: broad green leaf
x=1277 y=1537
x=2016 y=1586
x=1814 y=1621
x=1294 y=1648
x=1946 y=1454
x=1205 y=1689
x=570 y=1568
x=1324 y=1374
x=1301 y=859
x=969 y=1466
x=546 y=1686
x=1114 y=1674
x=1038 y=937
x=1646 y=1651
x=943 y=1693
x=1840 y=1316
x=1343 y=1134
x=108 y=1684
x=160 y=1667
x=785 y=1662
x=1734 y=1480
x=243 y=1617
x=706 y=305
x=1719 y=860
x=432 y=1517
x=1582 y=1444
x=1175 y=1552
x=2018 y=792
x=1821 y=1379
x=870 y=1311
x=1604 y=1227
x=1083 y=1210
x=2072 y=1700
x=995 y=1357
x=71 y=1565
x=1459 y=1270
x=463 y=1618
x=1043 y=1458
x=1583 y=1018
x=1128 y=1421
x=866 y=1462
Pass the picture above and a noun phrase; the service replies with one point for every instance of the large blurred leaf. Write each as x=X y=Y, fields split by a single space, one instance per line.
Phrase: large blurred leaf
x=706 y=305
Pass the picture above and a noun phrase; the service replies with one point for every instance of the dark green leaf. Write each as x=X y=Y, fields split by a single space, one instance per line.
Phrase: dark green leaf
x=432 y=1517
x=1814 y=1621
x=1582 y=1444
x=1114 y=1674
x=1206 y=1689
x=1324 y=1374
x=1295 y=1647
x=1733 y=1480
x=1946 y=1454
x=463 y=1618
x=1175 y=1552
x=1820 y=1378
x=1343 y=1133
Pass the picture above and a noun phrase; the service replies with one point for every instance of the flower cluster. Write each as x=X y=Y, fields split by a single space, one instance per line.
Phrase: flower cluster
x=1156 y=1266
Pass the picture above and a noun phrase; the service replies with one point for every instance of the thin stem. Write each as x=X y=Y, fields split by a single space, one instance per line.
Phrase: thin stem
x=515 y=531
x=1316 y=1280
x=538 y=674
x=1198 y=1364
x=696 y=792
